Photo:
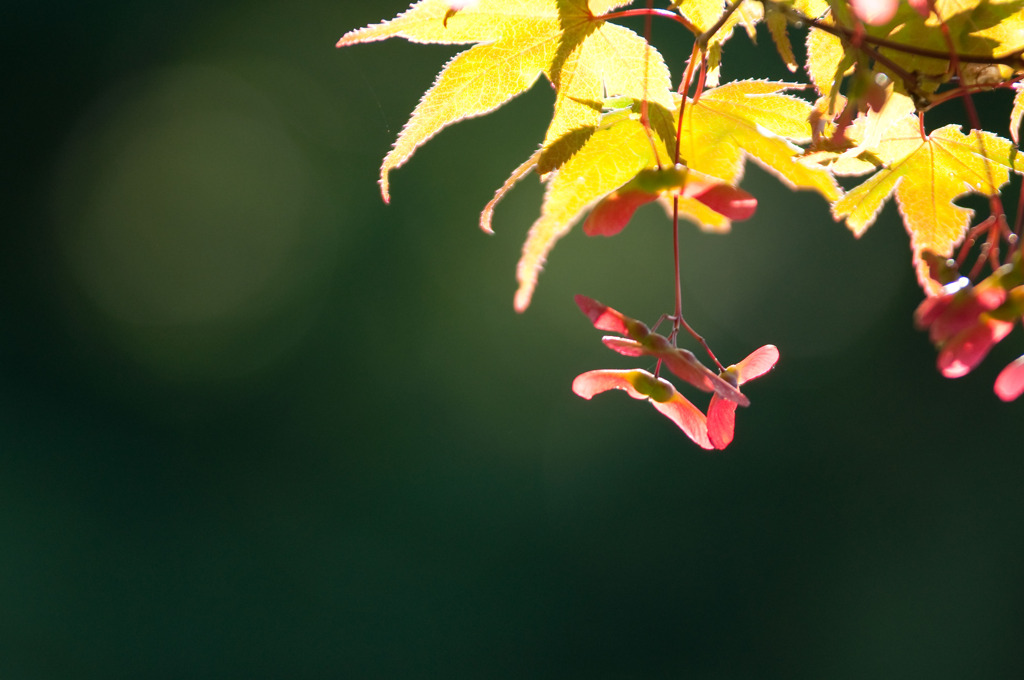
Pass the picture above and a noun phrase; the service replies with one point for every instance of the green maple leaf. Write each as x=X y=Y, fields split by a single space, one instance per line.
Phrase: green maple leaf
x=926 y=175
x=584 y=57
x=748 y=118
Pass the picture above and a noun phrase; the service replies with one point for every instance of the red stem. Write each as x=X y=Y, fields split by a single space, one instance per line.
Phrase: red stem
x=644 y=115
x=677 y=318
x=1013 y=60
x=651 y=12
x=998 y=215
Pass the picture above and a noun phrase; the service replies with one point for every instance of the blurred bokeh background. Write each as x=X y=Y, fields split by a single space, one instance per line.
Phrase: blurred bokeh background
x=255 y=423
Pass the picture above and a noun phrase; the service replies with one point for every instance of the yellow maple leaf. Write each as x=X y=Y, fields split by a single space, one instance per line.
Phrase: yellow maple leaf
x=983 y=28
x=778 y=24
x=1016 y=113
x=927 y=175
x=986 y=29
x=704 y=14
x=611 y=157
x=992 y=28
x=749 y=118
x=584 y=57
x=728 y=124
x=827 y=60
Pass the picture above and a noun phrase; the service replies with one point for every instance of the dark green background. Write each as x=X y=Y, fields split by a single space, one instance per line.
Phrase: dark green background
x=255 y=423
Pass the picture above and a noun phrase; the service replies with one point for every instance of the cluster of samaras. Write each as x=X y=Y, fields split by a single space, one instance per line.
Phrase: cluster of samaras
x=623 y=133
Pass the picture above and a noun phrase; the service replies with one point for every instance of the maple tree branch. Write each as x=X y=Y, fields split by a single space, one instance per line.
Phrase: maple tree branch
x=1014 y=59
x=910 y=80
x=855 y=41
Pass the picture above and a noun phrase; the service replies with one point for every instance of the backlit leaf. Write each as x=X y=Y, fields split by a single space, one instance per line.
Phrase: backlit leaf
x=522 y=171
x=827 y=61
x=610 y=158
x=777 y=25
x=753 y=119
x=981 y=28
x=1016 y=113
x=584 y=57
x=704 y=14
x=926 y=176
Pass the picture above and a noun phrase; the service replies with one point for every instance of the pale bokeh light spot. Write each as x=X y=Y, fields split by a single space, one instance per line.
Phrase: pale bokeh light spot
x=188 y=217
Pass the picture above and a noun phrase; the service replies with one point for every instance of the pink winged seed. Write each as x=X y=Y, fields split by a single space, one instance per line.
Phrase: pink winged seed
x=588 y=384
x=676 y=408
x=614 y=212
x=624 y=346
x=603 y=317
x=727 y=200
x=947 y=315
x=681 y=362
x=721 y=412
x=1010 y=383
x=969 y=347
x=611 y=215
x=757 y=363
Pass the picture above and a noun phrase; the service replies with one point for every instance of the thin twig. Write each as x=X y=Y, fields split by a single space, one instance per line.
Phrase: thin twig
x=704 y=38
x=648 y=12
